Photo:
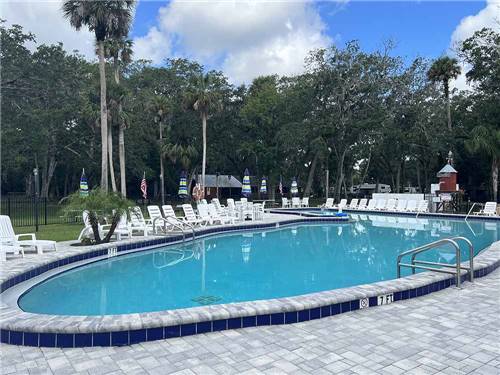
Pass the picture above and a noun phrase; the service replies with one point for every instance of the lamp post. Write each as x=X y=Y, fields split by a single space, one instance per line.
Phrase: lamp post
x=37 y=194
x=217 y=174
x=327 y=186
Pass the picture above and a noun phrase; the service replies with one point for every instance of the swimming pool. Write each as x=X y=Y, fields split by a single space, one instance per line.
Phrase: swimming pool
x=250 y=266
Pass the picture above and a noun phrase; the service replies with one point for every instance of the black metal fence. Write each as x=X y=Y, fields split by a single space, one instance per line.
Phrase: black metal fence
x=27 y=212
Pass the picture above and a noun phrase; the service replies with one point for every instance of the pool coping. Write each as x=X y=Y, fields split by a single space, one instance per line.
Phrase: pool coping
x=21 y=328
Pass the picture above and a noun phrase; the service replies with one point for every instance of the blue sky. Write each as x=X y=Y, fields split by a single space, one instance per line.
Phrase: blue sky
x=246 y=39
x=419 y=28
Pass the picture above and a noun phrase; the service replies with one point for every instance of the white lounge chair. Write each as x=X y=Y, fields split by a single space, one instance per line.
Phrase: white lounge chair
x=391 y=204
x=138 y=223
x=490 y=209
x=244 y=210
x=284 y=202
x=372 y=205
x=9 y=237
x=305 y=202
x=423 y=206
x=362 y=204
x=190 y=216
x=6 y=248
x=220 y=208
x=381 y=203
x=342 y=204
x=354 y=204
x=401 y=206
x=204 y=214
x=156 y=217
x=122 y=228
x=329 y=203
x=216 y=217
x=411 y=206
x=87 y=231
x=295 y=202
x=244 y=200
x=168 y=211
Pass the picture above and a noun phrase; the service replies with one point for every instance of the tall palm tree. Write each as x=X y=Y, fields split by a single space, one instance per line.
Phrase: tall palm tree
x=160 y=107
x=443 y=70
x=107 y=19
x=205 y=99
x=486 y=140
x=120 y=51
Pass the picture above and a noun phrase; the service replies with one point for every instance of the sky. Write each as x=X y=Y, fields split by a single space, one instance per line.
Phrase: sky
x=247 y=39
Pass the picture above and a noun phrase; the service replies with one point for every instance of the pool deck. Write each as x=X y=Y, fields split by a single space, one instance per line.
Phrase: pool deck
x=448 y=332
x=19 y=327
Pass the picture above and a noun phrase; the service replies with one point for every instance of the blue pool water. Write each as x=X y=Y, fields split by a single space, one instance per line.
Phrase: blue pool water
x=249 y=266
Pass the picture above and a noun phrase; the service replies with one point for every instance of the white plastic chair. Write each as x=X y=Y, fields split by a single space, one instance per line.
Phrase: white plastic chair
x=372 y=205
x=381 y=203
x=354 y=204
x=391 y=204
x=6 y=248
x=190 y=216
x=284 y=202
x=401 y=206
x=9 y=238
x=490 y=209
x=138 y=223
x=328 y=203
x=423 y=206
x=122 y=228
x=342 y=204
x=411 y=206
x=295 y=202
x=216 y=217
x=362 y=204
x=305 y=202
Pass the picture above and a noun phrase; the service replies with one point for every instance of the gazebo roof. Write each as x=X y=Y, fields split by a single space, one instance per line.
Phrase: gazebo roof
x=446 y=170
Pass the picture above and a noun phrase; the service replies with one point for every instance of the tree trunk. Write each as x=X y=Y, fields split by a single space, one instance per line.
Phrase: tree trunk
x=104 y=119
x=162 y=177
x=121 y=155
x=340 y=175
x=204 y=159
x=47 y=177
x=398 y=179
x=111 y=165
x=310 y=177
x=494 y=178
x=448 y=104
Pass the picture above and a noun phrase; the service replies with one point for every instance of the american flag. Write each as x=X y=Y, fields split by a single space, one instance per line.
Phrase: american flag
x=144 y=186
x=280 y=187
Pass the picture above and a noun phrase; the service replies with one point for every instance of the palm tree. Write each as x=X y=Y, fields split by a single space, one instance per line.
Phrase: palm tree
x=205 y=99
x=443 y=70
x=486 y=140
x=160 y=107
x=120 y=51
x=107 y=19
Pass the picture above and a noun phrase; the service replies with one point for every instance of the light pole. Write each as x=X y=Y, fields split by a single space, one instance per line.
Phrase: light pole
x=37 y=194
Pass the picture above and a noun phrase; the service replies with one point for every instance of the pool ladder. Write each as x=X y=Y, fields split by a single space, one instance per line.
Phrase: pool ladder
x=433 y=266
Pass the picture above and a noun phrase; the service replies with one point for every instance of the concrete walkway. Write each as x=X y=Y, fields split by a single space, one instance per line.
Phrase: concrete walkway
x=449 y=332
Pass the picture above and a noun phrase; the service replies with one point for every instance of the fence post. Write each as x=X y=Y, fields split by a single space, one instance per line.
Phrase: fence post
x=35 y=172
x=45 y=209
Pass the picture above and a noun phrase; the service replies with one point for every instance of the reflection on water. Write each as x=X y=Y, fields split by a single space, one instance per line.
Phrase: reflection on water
x=253 y=265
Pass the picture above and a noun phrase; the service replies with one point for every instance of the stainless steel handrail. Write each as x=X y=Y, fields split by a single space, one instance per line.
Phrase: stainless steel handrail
x=470 y=211
x=167 y=222
x=420 y=264
x=183 y=223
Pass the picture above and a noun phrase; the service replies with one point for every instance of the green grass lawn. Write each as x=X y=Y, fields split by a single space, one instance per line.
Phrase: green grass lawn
x=55 y=232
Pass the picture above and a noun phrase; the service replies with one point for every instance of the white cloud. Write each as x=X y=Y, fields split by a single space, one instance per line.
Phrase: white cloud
x=46 y=21
x=487 y=17
x=245 y=39
x=154 y=46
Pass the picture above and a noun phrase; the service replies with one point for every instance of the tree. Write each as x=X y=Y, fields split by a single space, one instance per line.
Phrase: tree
x=120 y=51
x=443 y=70
x=107 y=19
x=160 y=108
x=204 y=97
x=102 y=207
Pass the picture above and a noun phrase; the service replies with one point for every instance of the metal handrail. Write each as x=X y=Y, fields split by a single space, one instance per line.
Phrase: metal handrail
x=420 y=264
x=470 y=211
x=167 y=222
x=183 y=223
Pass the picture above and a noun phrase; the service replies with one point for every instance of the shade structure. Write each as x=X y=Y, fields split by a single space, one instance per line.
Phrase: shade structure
x=294 y=188
x=263 y=186
x=84 y=186
x=183 y=192
x=246 y=189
